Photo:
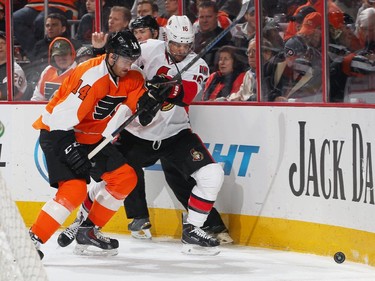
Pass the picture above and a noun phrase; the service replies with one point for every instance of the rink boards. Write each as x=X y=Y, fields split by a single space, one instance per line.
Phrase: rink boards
x=296 y=178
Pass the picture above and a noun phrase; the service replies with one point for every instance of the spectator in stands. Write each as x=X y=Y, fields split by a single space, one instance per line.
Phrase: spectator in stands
x=87 y=23
x=56 y=26
x=311 y=30
x=228 y=78
x=230 y=7
x=245 y=31
x=365 y=4
x=157 y=6
x=145 y=28
x=349 y=7
x=147 y=7
x=271 y=31
x=290 y=75
x=20 y=83
x=171 y=8
x=84 y=53
x=288 y=7
x=28 y=22
x=318 y=6
x=341 y=34
x=119 y=18
x=2 y=17
x=300 y=16
x=62 y=63
x=248 y=88
x=209 y=29
x=222 y=19
x=355 y=72
x=365 y=28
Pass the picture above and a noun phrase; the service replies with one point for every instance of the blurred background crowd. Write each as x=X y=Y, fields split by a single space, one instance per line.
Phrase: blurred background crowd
x=308 y=50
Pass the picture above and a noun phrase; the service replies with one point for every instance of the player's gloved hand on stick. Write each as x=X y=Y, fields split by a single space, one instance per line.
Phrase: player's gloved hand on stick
x=70 y=152
x=75 y=155
x=158 y=83
x=150 y=107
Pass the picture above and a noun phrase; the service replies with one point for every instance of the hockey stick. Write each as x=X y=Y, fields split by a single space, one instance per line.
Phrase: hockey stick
x=114 y=134
x=175 y=79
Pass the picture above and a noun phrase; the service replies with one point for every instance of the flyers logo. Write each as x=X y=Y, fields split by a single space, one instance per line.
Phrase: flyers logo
x=50 y=89
x=106 y=107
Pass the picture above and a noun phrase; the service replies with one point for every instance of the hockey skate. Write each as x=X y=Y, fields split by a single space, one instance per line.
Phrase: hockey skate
x=220 y=232
x=69 y=234
x=36 y=241
x=91 y=242
x=197 y=242
x=140 y=228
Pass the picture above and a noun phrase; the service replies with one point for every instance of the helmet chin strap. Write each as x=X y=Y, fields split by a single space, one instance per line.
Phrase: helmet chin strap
x=110 y=66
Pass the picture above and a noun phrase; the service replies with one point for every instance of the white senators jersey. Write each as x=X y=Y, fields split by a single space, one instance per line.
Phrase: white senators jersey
x=171 y=118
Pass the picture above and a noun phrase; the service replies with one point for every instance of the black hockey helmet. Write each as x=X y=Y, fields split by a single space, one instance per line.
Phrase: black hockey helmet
x=123 y=43
x=145 y=22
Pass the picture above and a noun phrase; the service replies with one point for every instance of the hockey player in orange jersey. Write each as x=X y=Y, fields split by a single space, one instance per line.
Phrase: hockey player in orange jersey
x=72 y=125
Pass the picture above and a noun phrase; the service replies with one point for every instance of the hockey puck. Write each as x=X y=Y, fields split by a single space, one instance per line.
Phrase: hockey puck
x=339 y=257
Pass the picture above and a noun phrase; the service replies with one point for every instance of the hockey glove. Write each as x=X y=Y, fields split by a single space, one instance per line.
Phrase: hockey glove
x=149 y=105
x=172 y=92
x=69 y=151
x=75 y=156
x=159 y=85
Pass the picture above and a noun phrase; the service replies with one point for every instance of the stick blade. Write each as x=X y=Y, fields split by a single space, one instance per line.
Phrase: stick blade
x=246 y=4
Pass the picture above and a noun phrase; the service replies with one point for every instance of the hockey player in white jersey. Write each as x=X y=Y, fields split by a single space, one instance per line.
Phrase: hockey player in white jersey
x=166 y=134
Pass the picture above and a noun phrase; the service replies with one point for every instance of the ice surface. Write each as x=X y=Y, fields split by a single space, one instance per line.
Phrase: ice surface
x=160 y=259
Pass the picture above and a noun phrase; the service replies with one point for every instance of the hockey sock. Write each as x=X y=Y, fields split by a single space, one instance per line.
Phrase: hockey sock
x=68 y=197
x=45 y=226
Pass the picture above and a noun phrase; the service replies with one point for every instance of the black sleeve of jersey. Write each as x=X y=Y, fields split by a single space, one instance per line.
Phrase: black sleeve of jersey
x=98 y=51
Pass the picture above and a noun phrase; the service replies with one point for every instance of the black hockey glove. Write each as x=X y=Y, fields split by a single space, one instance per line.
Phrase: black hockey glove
x=159 y=85
x=149 y=105
x=70 y=152
x=172 y=92
x=151 y=101
x=75 y=156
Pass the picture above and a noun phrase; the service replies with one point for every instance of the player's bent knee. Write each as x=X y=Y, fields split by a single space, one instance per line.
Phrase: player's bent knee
x=71 y=193
x=209 y=180
x=121 y=181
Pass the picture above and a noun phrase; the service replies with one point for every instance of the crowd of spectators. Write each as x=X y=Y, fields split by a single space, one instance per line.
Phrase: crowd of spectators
x=291 y=48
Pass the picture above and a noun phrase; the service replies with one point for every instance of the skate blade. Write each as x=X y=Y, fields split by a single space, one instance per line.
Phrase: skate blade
x=89 y=250
x=224 y=238
x=196 y=250
x=141 y=234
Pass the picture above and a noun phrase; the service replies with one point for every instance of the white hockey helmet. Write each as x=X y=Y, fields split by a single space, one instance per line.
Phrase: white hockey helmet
x=180 y=30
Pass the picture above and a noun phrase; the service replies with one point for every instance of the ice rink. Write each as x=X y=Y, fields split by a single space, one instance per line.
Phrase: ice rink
x=160 y=259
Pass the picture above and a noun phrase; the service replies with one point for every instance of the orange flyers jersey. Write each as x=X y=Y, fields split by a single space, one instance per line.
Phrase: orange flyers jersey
x=88 y=99
x=50 y=80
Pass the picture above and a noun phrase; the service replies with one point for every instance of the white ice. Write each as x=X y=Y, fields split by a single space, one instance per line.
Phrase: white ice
x=160 y=259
